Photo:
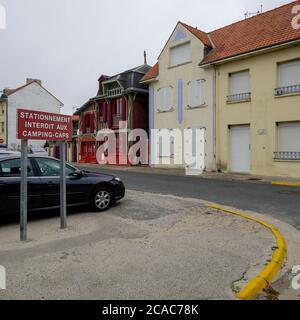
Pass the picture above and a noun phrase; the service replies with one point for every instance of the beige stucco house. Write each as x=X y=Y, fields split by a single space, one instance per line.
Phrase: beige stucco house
x=181 y=99
x=251 y=71
x=257 y=64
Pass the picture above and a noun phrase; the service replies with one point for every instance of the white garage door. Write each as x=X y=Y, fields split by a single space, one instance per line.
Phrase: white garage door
x=240 y=149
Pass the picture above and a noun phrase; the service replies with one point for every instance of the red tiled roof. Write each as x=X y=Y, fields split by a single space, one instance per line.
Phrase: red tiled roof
x=201 y=35
x=152 y=73
x=9 y=92
x=262 y=31
x=265 y=30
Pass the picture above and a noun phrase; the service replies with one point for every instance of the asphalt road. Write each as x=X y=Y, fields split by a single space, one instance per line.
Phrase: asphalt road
x=280 y=202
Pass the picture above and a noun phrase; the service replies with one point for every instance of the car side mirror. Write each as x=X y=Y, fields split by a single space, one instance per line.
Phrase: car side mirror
x=76 y=175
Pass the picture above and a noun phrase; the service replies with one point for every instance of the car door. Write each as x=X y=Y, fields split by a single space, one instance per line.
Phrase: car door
x=10 y=178
x=50 y=183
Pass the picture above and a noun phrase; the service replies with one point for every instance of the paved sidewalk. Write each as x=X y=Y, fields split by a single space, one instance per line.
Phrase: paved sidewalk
x=205 y=175
x=148 y=246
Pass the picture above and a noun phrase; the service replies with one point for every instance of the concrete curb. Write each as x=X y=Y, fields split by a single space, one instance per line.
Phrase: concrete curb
x=286 y=184
x=265 y=278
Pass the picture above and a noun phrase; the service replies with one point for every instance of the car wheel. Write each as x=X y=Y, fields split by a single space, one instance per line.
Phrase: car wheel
x=101 y=199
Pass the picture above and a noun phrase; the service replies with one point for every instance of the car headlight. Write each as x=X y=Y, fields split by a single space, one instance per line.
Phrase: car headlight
x=118 y=179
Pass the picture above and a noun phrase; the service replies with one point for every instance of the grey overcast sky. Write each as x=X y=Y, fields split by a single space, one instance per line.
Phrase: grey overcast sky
x=68 y=44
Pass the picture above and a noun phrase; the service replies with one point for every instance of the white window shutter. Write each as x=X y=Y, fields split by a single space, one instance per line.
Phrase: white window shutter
x=289 y=74
x=165 y=99
x=240 y=82
x=289 y=137
x=169 y=100
x=196 y=93
x=202 y=92
x=192 y=94
x=180 y=54
x=199 y=93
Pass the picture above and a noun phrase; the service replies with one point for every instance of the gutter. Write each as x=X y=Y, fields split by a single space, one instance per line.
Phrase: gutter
x=148 y=81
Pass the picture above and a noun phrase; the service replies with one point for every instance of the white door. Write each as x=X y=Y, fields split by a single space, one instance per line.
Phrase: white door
x=240 y=149
x=195 y=151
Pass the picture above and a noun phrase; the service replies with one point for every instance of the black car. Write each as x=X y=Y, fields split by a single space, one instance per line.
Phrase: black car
x=99 y=191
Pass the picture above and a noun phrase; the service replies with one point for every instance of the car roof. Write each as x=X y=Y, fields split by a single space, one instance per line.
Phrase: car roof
x=9 y=157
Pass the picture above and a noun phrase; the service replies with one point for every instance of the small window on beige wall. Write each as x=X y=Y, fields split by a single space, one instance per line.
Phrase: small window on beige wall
x=196 y=93
x=180 y=54
x=165 y=99
x=240 y=82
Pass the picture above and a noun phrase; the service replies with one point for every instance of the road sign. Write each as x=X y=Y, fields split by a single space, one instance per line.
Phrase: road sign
x=36 y=125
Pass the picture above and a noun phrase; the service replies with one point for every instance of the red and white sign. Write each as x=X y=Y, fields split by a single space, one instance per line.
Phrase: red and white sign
x=36 y=125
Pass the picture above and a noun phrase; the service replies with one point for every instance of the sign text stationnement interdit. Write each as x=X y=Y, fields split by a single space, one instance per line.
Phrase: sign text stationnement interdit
x=36 y=125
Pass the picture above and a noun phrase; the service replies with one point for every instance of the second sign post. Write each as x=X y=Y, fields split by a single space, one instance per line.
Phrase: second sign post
x=35 y=125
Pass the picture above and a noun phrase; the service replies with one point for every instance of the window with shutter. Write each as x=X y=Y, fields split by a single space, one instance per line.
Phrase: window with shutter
x=196 y=93
x=288 y=147
x=289 y=74
x=165 y=99
x=240 y=83
x=180 y=54
x=289 y=137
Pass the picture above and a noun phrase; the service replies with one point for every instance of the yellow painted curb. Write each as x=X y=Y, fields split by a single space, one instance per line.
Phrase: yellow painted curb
x=286 y=184
x=265 y=278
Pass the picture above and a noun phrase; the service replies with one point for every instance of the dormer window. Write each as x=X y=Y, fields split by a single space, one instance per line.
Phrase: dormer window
x=180 y=54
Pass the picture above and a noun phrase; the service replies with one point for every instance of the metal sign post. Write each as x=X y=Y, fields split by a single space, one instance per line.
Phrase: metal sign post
x=63 y=189
x=37 y=125
x=23 y=191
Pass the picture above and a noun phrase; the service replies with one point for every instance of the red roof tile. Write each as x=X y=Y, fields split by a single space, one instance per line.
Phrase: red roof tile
x=152 y=73
x=265 y=30
x=201 y=35
x=262 y=31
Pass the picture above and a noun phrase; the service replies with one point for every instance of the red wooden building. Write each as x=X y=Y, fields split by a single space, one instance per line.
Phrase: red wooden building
x=119 y=98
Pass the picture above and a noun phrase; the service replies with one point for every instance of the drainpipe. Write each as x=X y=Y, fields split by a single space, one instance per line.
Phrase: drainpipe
x=214 y=118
